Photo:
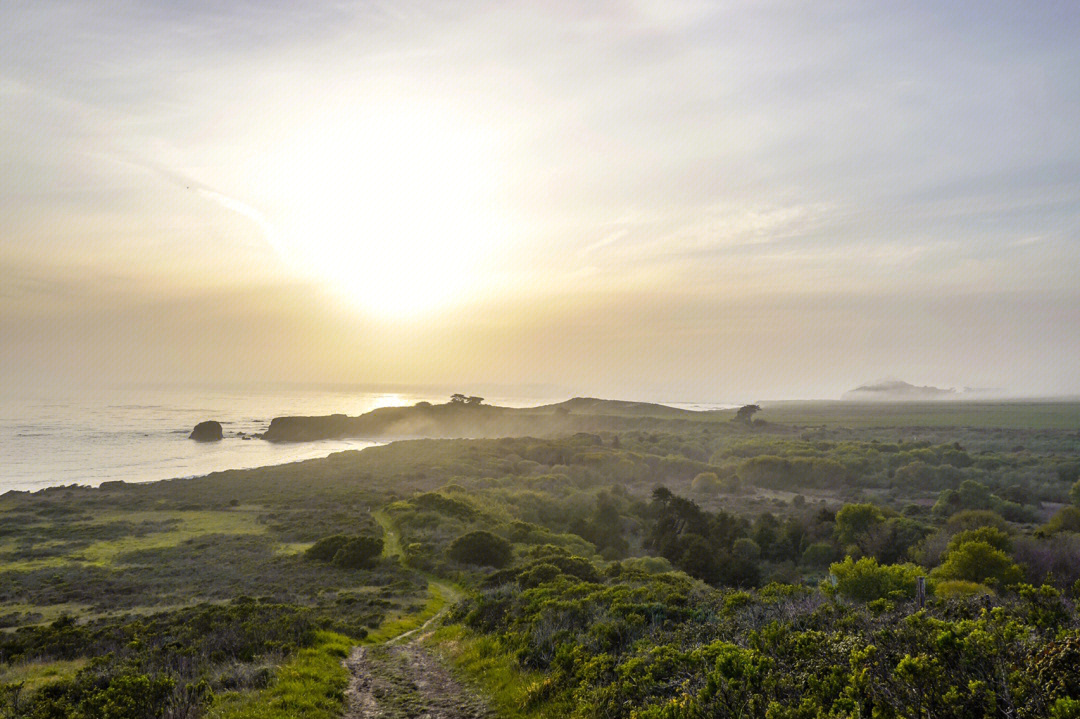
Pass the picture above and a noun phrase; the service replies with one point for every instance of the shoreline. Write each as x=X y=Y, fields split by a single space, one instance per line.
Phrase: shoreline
x=313 y=454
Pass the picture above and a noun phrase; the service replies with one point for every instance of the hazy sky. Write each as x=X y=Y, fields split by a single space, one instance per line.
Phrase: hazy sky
x=657 y=200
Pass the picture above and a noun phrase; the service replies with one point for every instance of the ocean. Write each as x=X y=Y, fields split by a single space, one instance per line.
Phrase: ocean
x=141 y=434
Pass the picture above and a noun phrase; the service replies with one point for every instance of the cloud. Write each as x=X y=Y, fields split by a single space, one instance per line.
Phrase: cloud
x=646 y=151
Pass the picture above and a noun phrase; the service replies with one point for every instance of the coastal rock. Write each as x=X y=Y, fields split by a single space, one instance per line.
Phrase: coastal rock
x=209 y=431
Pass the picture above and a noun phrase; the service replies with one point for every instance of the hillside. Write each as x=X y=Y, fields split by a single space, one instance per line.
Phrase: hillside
x=457 y=419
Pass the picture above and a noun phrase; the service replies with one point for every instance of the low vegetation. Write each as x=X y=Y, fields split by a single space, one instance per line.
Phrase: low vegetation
x=683 y=569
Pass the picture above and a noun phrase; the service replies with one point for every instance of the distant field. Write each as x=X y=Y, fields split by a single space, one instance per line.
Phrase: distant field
x=1039 y=415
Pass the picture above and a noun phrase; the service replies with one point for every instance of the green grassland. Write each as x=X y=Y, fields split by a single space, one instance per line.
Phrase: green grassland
x=987 y=414
x=311 y=684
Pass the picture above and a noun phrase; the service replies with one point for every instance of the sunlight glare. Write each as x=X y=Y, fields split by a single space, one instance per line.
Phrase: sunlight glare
x=394 y=208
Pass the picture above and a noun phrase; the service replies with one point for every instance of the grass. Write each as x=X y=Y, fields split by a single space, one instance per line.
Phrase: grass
x=310 y=685
x=1046 y=415
x=391 y=540
x=288 y=549
x=34 y=675
x=485 y=663
x=188 y=525
x=437 y=597
x=48 y=612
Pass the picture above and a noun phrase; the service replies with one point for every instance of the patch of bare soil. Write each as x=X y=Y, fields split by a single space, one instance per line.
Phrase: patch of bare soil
x=402 y=681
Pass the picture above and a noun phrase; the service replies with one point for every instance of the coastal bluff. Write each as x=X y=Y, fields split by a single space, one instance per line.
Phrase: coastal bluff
x=457 y=419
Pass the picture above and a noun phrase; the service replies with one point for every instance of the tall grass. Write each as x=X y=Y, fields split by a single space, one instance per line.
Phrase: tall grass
x=396 y=627
x=310 y=685
x=485 y=662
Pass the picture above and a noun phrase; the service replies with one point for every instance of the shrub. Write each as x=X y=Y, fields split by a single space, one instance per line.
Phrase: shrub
x=706 y=483
x=359 y=552
x=1067 y=519
x=991 y=535
x=481 y=547
x=954 y=588
x=866 y=580
x=975 y=518
x=854 y=522
x=819 y=554
x=980 y=562
x=349 y=552
x=649 y=565
x=787 y=473
x=747 y=549
x=325 y=549
x=538 y=574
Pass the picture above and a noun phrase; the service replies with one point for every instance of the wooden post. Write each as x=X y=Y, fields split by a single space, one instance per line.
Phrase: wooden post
x=920 y=591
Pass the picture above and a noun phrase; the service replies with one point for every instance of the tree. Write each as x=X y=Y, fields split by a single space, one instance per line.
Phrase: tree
x=458 y=398
x=746 y=413
x=697 y=558
x=746 y=548
x=819 y=554
x=975 y=518
x=474 y=400
x=481 y=547
x=856 y=522
x=662 y=495
x=979 y=561
x=993 y=536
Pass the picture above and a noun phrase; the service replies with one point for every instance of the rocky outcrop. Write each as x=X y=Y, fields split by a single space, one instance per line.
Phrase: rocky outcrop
x=208 y=431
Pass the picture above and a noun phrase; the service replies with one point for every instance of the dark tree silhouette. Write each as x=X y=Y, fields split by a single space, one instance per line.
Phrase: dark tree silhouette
x=458 y=398
x=746 y=413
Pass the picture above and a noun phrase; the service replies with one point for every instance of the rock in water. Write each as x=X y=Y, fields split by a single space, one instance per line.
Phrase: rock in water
x=209 y=431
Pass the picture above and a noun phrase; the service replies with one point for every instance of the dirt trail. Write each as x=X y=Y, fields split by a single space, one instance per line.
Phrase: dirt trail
x=399 y=679
x=402 y=681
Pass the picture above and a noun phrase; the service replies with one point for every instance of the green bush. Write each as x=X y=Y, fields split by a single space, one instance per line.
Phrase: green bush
x=359 y=553
x=819 y=554
x=991 y=535
x=953 y=588
x=855 y=522
x=979 y=561
x=866 y=580
x=481 y=547
x=1066 y=519
x=348 y=552
x=706 y=483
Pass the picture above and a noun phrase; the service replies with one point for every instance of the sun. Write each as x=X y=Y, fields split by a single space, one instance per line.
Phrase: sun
x=394 y=208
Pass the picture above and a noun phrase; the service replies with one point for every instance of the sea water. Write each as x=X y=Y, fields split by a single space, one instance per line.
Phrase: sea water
x=140 y=434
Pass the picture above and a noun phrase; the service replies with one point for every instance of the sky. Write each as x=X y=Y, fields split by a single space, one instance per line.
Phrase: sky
x=692 y=201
